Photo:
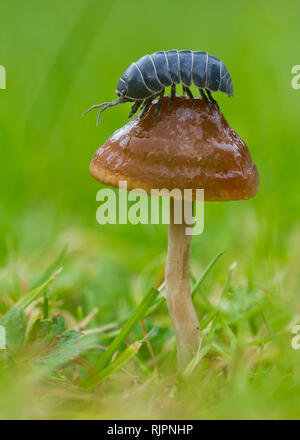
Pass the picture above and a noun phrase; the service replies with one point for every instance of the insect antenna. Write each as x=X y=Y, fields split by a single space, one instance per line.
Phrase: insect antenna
x=105 y=105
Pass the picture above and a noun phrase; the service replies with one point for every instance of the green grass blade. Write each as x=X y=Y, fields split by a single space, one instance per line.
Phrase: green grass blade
x=134 y=319
x=58 y=262
x=208 y=319
x=205 y=273
x=119 y=362
x=259 y=342
x=34 y=294
x=195 y=361
x=155 y=306
x=228 y=281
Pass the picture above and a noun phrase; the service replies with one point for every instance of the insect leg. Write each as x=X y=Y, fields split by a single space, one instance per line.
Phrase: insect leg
x=146 y=105
x=189 y=93
x=212 y=99
x=203 y=95
x=143 y=104
x=173 y=94
x=161 y=97
x=135 y=108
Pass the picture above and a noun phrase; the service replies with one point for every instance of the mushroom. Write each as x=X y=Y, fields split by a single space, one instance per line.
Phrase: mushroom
x=187 y=146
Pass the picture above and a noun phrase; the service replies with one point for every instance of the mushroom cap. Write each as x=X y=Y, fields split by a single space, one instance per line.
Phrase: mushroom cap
x=187 y=146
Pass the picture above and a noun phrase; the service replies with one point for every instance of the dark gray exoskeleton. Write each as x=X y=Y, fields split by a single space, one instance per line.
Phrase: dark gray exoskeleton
x=147 y=78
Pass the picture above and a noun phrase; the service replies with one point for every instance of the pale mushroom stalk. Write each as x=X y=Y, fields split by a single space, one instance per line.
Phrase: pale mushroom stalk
x=178 y=289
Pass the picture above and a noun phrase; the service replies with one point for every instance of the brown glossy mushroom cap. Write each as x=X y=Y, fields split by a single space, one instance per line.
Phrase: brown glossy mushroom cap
x=187 y=146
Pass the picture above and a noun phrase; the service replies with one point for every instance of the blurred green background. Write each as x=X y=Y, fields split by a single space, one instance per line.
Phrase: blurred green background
x=62 y=57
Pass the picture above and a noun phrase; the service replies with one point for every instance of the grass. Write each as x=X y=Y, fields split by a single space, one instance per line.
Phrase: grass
x=246 y=357
x=88 y=341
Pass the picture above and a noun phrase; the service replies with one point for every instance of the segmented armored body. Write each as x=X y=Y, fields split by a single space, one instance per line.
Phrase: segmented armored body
x=147 y=79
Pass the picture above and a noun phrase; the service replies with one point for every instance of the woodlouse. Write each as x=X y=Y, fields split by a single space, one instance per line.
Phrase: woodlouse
x=147 y=78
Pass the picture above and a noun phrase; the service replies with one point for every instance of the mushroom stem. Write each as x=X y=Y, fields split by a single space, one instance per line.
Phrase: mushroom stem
x=178 y=289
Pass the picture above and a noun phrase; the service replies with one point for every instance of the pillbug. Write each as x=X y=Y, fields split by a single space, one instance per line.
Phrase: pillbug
x=147 y=78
